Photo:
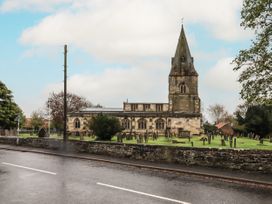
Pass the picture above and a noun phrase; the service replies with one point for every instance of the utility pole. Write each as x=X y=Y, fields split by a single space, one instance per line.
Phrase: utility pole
x=65 y=97
x=49 y=118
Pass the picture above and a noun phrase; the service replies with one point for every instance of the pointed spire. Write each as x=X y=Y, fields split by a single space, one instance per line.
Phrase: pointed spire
x=182 y=62
x=182 y=49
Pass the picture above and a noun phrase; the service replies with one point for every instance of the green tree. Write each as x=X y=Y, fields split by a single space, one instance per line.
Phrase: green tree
x=105 y=127
x=258 y=120
x=37 y=120
x=255 y=63
x=209 y=128
x=9 y=110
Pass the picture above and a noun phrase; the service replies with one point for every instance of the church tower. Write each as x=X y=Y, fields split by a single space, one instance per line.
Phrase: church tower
x=183 y=80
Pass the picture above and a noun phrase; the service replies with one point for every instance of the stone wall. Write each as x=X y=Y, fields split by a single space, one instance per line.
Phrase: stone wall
x=248 y=160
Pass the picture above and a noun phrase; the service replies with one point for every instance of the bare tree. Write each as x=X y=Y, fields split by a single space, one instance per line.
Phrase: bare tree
x=74 y=103
x=218 y=113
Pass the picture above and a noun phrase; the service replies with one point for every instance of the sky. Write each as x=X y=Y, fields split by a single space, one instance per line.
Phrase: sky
x=118 y=50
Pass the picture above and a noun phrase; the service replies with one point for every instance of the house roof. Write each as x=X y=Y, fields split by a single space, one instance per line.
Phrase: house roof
x=221 y=124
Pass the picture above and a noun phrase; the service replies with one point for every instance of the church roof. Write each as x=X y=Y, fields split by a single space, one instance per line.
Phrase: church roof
x=95 y=109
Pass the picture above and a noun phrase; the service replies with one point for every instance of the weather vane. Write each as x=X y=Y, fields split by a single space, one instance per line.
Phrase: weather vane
x=182 y=20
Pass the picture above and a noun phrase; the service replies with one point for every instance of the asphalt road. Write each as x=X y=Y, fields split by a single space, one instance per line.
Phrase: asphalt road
x=34 y=178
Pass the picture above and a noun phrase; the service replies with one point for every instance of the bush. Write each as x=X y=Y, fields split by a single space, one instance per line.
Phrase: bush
x=105 y=127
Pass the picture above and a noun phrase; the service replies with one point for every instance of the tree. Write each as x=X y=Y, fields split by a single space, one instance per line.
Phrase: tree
x=258 y=120
x=9 y=110
x=218 y=113
x=37 y=120
x=256 y=62
x=105 y=127
x=74 y=103
x=209 y=128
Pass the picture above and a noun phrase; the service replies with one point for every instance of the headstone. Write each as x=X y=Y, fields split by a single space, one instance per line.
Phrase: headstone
x=223 y=143
x=42 y=133
x=209 y=138
x=141 y=138
x=146 y=137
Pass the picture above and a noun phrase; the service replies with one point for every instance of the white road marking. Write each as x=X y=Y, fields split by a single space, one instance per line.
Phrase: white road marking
x=29 y=168
x=142 y=193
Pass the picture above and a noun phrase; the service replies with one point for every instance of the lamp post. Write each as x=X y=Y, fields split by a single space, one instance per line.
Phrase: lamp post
x=18 y=125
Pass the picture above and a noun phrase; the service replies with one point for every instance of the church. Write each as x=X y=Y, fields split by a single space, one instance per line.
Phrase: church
x=180 y=116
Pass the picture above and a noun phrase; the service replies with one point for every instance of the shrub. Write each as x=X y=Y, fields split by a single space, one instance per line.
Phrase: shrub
x=105 y=127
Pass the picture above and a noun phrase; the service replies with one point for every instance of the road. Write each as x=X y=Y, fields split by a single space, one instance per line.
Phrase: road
x=34 y=178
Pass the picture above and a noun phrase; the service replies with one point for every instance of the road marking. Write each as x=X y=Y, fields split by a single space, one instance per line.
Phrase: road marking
x=29 y=168
x=142 y=193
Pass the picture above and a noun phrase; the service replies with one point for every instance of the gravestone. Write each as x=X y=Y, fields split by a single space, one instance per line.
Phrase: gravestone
x=223 y=143
x=42 y=133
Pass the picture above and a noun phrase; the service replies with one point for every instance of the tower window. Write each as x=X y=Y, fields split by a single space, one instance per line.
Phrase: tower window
x=77 y=123
x=183 y=88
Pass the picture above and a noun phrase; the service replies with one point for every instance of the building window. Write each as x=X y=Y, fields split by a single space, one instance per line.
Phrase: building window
x=141 y=124
x=183 y=88
x=77 y=123
x=146 y=107
x=160 y=124
x=159 y=107
x=126 y=124
x=134 y=107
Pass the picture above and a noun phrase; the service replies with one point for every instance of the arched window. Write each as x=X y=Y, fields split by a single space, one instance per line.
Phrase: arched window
x=126 y=124
x=77 y=123
x=142 y=124
x=160 y=124
x=183 y=88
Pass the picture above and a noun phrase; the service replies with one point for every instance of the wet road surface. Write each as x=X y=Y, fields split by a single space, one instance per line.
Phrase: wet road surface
x=34 y=178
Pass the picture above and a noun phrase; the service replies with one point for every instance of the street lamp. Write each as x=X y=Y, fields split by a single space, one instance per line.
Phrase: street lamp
x=18 y=124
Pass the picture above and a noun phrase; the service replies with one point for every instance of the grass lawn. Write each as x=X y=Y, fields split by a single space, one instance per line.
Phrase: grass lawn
x=242 y=142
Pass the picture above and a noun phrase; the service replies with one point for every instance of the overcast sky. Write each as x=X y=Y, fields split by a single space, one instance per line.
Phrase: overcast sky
x=118 y=49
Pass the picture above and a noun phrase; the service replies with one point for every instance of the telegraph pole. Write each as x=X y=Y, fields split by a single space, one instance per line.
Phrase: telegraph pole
x=65 y=96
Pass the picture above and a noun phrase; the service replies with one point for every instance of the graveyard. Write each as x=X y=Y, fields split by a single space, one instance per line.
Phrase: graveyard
x=203 y=141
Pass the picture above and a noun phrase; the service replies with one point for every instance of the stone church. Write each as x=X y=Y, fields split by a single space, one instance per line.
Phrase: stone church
x=181 y=115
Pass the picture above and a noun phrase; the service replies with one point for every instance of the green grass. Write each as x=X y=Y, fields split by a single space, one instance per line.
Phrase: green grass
x=242 y=142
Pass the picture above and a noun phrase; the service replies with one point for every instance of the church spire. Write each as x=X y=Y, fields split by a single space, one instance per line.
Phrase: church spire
x=182 y=62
